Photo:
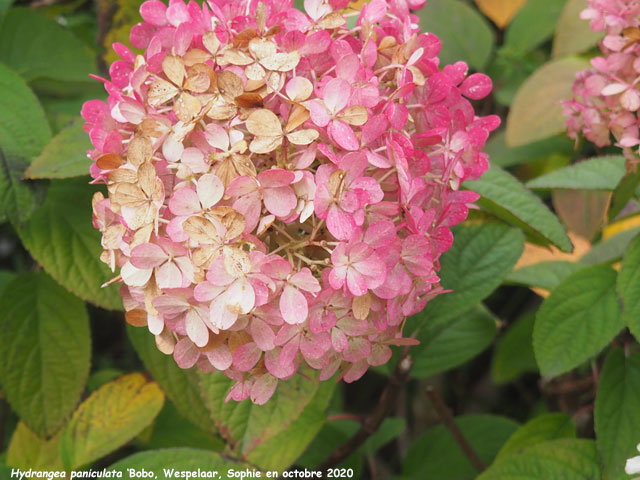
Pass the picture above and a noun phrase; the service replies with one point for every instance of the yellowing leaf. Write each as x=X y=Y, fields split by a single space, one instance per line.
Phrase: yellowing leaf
x=620 y=226
x=28 y=450
x=533 y=254
x=109 y=418
x=501 y=12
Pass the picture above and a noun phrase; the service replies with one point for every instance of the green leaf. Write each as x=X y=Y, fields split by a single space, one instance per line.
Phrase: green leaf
x=533 y=25
x=390 y=428
x=109 y=418
x=611 y=249
x=28 y=450
x=623 y=193
x=64 y=156
x=617 y=412
x=5 y=278
x=578 y=319
x=507 y=198
x=600 y=173
x=446 y=343
x=270 y=435
x=565 y=459
x=45 y=350
x=543 y=428
x=503 y=156
x=447 y=19
x=436 y=455
x=53 y=53
x=573 y=35
x=181 y=386
x=543 y=275
x=535 y=113
x=178 y=459
x=513 y=355
x=481 y=256
x=629 y=287
x=170 y=429
x=24 y=131
x=333 y=433
x=61 y=237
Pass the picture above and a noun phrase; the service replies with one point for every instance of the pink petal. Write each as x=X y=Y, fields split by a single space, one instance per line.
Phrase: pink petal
x=343 y=135
x=319 y=113
x=217 y=137
x=340 y=224
x=263 y=389
x=168 y=275
x=184 y=202
x=276 y=177
x=241 y=186
x=359 y=348
x=220 y=357
x=185 y=353
x=210 y=190
x=289 y=352
x=170 y=305
x=293 y=305
x=196 y=329
x=356 y=371
x=246 y=357
x=315 y=346
x=147 y=255
x=154 y=12
x=262 y=334
x=280 y=201
x=380 y=354
x=305 y=280
x=476 y=86
x=135 y=277
x=336 y=95
x=241 y=297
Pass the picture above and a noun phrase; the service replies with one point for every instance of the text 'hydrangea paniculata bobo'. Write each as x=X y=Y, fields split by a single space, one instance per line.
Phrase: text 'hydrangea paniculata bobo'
x=606 y=98
x=281 y=186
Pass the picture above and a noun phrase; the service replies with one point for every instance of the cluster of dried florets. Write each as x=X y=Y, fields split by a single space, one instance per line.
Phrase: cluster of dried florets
x=606 y=98
x=281 y=186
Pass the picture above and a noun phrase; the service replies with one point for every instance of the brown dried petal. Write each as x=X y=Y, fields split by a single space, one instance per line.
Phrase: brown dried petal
x=195 y=56
x=265 y=144
x=261 y=16
x=230 y=219
x=255 y=72
x=262 y=48
x=139 y=150
x=200 y=230
x=248 y=100
x=236 y=262
x=264 y=123
x=161 y=92
x=198 y=78
x=147 y=178
x=332 y=20
x=354 y=115
x=204 y=256
x=236 y=57
x=303 y=137
x=229 y=85
x=335 y=181
x=281 y=62
x=297 y=117
x=186 y=107
x=243 y=38
x=173 y=68
x=136 y=317
x=361 y=306
x=122 y=175
x=129 y=195
x=211 y=42
x=109 y=161
x=222 y=112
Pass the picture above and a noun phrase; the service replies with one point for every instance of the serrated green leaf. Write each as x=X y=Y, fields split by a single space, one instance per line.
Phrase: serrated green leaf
x=535 y=113
x=617 y=412
x=61 y=237
x=446 y=343
x=503 y=156
x=24 y=131
x=600 y=173
x=64 y=156
x=565 y=459
x=629 y=287
x=109 y=418
x=268 y=435
x=28 y=450
x=500 y=188
x=436 y=455
x=543 y=428
x=623 y=193
x=481 y=256
x=578 y=319
x=572 y=34
x=54 y=53
x=446 y=19
x=611 y=249
x=533 y=25
x=513 y=355
x=181 y=386
x=45 y=350
x=178 y=459
x=543 y=275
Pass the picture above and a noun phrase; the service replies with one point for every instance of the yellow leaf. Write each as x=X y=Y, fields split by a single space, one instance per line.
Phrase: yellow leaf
x=501 y=12
x=28 y=450
x=109 y=418
x=620 y=226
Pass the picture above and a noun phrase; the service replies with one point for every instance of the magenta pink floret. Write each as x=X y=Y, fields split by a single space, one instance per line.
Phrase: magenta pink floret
x=281 y=184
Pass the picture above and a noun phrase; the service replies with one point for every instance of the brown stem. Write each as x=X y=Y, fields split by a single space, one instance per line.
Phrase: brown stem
x=372 y=422
x=447 y=418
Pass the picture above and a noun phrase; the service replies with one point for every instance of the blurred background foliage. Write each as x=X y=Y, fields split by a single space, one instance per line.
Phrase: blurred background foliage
x=533 y=352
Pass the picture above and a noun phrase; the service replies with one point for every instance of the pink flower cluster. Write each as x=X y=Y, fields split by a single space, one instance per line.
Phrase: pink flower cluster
x=281 y=184
x=606 y=98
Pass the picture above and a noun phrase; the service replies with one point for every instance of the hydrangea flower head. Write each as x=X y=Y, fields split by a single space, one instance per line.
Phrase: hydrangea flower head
x=282 y=185
x=606 y=99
